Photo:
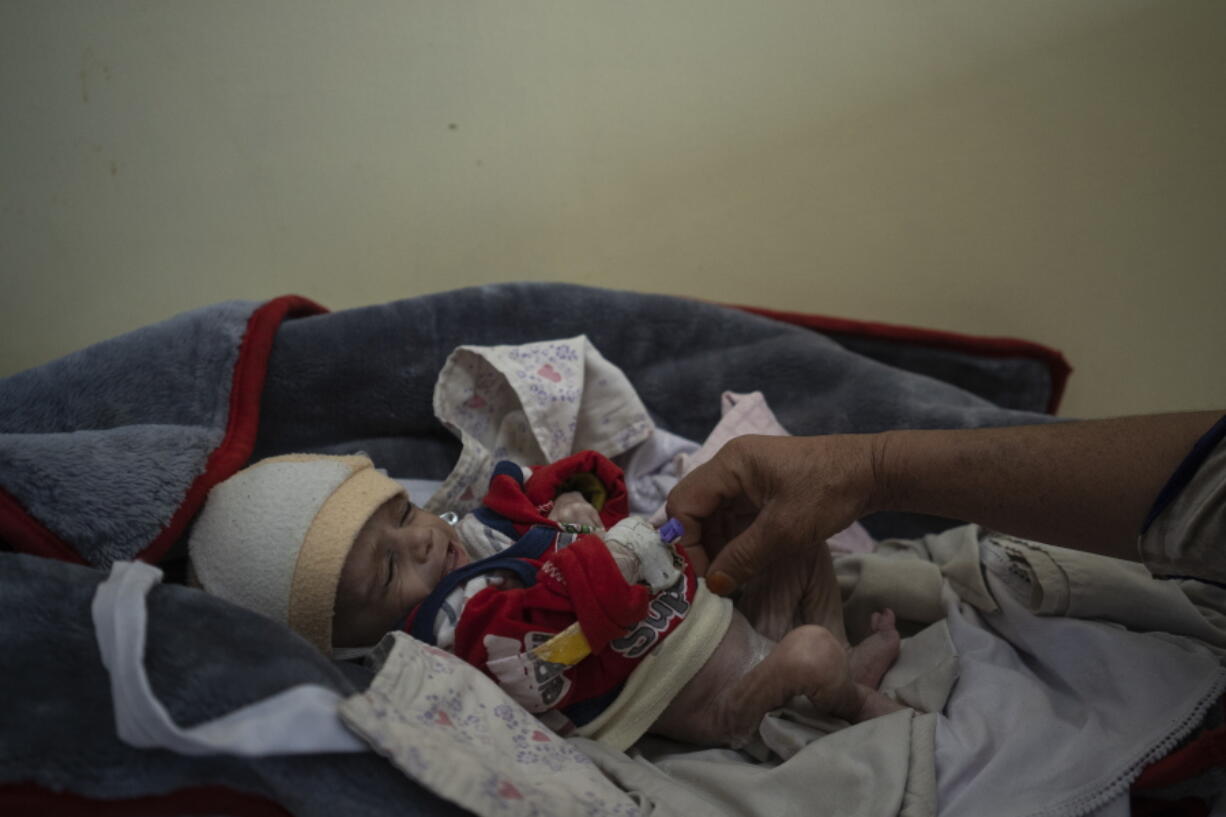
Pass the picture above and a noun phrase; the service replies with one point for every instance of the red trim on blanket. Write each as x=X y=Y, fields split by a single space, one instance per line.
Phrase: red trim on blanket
x=1154 y=807
x=1206 y=751
x=30 y=798
x=25 y=533
x=1058 y=367
x=246 y=390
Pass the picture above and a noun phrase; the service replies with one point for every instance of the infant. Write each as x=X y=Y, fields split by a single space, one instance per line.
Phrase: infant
x=338 y=551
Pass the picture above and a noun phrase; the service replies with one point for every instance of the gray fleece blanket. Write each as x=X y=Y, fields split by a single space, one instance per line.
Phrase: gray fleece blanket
x=108 y=453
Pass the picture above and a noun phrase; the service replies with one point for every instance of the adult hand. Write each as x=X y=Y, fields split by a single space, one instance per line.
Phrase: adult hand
x=1085 y=485
x=764 y=498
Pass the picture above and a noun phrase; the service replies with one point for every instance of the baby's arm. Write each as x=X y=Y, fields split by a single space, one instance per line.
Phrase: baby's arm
x=641 y=556
x=572 y=508
x=499 y=629
x=595 y=477
x=483 y=540
x=520 y=497
x=634 y=544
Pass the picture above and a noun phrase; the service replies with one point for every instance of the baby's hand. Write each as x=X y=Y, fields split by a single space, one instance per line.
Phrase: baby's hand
x=573 y=508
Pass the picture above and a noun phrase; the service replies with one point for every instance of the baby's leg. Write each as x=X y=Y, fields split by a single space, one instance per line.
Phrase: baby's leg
x=702 y=712
x=793 y=592
x=870 y=659
x=748 y=676
x=810 y=661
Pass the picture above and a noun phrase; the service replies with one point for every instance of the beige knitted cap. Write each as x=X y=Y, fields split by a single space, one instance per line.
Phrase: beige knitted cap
x=274 y=537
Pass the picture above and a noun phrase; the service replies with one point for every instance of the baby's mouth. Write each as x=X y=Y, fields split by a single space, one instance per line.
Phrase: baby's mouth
x=451 y=560
x=456 y=556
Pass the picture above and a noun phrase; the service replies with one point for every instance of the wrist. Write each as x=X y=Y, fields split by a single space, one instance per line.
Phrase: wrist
x=884 y=487
x=937 y=472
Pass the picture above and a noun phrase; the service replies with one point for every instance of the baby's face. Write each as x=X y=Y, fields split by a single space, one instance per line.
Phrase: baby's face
x=399 y=556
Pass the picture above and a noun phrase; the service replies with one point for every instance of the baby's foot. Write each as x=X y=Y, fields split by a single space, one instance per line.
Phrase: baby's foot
x=875 y=705
x=874 y=655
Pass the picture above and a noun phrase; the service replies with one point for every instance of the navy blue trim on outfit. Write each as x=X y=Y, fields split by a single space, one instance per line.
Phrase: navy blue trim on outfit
x=486 y=516
x=509 y=469
x=1186 y=470
x=532 y=545
x=496 y=521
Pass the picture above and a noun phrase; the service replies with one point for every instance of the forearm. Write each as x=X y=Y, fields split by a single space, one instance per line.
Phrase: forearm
x=1082 y=484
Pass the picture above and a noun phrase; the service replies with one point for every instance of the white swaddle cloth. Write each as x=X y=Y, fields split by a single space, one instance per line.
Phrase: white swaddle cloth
x=1057 y=716
x=300 y=720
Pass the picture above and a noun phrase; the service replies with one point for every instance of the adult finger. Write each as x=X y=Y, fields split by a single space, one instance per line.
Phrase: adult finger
x=697 y=498
x=698 y=558
x=744 y=556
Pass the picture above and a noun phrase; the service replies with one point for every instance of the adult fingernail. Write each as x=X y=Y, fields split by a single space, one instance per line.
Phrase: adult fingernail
x=720 y=583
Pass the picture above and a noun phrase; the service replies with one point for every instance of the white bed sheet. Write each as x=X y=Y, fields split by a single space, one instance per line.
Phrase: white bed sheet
x=1057 y=716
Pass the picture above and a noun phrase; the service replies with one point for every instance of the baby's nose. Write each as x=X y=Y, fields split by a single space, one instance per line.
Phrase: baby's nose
x=420 y=542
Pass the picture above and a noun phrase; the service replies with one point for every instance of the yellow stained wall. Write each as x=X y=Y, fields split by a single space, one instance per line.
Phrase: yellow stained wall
x=1049 y=170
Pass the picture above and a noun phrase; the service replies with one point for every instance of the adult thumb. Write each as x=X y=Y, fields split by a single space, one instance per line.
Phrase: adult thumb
x=741 y=559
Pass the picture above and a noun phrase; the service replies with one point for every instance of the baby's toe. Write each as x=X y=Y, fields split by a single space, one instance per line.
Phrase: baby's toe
x=883 y=621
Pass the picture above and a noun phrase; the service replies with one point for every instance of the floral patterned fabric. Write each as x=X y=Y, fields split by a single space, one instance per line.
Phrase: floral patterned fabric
x=446 y=725
x=534 y=404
